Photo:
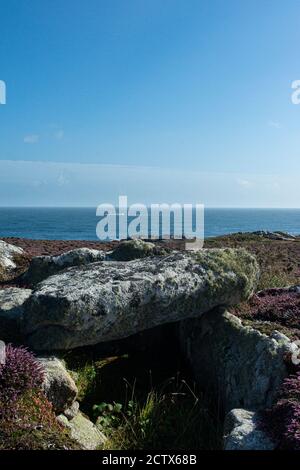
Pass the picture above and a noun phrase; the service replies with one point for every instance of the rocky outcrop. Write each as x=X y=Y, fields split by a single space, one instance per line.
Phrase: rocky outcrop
x=83 y=431
x=42 y=267
x=133 y=249
x=243 y=431
x=11 y=313
x=241 y=366
x=274 y=235
x=13 y=261
x=71 y=412
x=59 y=387
x=105 y=301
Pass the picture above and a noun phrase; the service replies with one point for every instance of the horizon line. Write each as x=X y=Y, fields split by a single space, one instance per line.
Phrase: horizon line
x=149 y=205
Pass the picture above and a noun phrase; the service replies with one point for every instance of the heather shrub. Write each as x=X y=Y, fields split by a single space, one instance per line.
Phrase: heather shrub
x=282 y=421
x=34 y=426
x=277 y=306
x=27 y=420
x=20 y=372
x=291 y=387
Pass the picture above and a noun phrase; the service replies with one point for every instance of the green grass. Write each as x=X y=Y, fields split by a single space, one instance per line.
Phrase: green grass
x=173 y=417
x=274 y=278
x=137 y=405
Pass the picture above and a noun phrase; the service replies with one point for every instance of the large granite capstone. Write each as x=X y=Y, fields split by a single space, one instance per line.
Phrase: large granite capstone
x=111 y=300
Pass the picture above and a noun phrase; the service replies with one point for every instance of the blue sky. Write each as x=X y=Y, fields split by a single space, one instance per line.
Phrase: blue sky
x=155 y=98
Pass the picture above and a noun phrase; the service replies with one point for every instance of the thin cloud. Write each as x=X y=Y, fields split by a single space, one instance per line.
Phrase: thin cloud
x=31 y=139
x=274 y=124
x=30 y=183
x=59 y=135
x=244 y=183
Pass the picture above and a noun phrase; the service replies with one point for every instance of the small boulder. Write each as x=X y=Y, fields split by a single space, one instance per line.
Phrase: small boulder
x=13 y=261
x=242 y=431
x=59 y=387
x=133 y=249
x=83 y=431
x=42 y=267
x=11 y=312
x=71 y=412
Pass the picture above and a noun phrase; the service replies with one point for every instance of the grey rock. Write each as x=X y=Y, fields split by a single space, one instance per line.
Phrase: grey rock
x=42 y=267
x=12 y=260
x=71 y=412
x=83 y=431
x=133 y=249
x=11 y=312
x=111 y=300
x=242 y=431
x=241 y=366
x=295 y=288
x=59 y=387
x=2 y=352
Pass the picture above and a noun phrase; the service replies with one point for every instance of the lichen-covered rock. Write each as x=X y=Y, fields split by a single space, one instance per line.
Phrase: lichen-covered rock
x=133 y=249
x=11 y=312
x=71 y=412
x=112 y=300
x=59 y=387
x=242 y=431
x=42 y=267
x=83 y=431
x=13 y=261
x=241 y=366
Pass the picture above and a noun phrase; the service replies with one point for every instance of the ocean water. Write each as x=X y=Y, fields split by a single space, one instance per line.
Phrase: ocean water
x=80 y=223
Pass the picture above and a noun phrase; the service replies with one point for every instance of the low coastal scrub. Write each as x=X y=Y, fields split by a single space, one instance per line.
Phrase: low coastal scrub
x=282 y=421
x=272 y=309
x=19 y=374
x=33 y=426
x=27 y=420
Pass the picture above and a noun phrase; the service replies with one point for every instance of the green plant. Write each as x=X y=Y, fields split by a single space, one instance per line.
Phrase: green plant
x=173 y=417
x=85 y=379
x=273 y=278
x=108 y=416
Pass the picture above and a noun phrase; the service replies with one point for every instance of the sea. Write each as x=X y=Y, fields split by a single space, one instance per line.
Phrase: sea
x=80 y=223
